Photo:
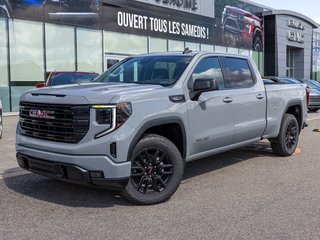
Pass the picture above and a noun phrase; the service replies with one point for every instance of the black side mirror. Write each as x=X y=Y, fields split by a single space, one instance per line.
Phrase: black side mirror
x=203 y=85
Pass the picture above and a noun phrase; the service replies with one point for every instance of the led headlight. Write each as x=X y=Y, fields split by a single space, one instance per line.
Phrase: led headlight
x=112 y=115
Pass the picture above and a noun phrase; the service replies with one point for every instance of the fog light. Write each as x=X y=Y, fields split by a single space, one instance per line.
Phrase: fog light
x=96 y=174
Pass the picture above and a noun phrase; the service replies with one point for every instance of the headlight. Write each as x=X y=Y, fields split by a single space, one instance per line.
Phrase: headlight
x=113 y=116
x=124 y=111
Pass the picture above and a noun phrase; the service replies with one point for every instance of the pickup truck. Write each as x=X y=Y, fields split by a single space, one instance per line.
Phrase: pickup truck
x=135 y=127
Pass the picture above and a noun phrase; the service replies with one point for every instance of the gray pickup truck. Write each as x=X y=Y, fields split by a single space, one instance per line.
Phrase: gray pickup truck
x=138 y=123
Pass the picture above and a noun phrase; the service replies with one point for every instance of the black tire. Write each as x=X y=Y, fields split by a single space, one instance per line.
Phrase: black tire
x=156 y=171
x=257 y=44
x=287 y=141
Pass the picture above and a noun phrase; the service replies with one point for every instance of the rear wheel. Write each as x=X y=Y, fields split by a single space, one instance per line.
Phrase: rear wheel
x=156 y=170
x=287 y=141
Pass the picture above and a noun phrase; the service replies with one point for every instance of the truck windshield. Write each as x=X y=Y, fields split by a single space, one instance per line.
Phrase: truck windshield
x=160 y=70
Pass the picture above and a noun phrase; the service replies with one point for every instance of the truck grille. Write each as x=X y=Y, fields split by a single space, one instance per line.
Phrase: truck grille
x=54 y=122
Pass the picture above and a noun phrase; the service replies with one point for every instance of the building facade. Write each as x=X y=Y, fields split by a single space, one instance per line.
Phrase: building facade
x=40 y=36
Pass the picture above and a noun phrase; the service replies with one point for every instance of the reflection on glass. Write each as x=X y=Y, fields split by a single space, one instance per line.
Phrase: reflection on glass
x=176 y=45
x=244 y=52
x=60 y=49
x=26 y=51
x=193 y=46
x=233 y=50
x=157 y=45
x=15 y=95
x=220 y=49
x=123 y=43
x=89 y=47
x=207 y=47
x=4 y=89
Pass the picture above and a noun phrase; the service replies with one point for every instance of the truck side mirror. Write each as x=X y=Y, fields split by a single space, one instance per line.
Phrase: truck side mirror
x=203 y=85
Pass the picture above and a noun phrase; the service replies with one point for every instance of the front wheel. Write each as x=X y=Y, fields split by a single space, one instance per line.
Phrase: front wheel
x=156 y=171
x=287 y=141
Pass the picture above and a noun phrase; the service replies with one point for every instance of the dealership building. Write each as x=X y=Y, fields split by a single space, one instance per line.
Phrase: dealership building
x=38 y=36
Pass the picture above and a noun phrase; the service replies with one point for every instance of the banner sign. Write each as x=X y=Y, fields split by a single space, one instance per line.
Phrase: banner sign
x=231 y=23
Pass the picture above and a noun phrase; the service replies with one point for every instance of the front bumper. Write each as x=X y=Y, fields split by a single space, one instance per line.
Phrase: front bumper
x=50 y=163
x=69 y=172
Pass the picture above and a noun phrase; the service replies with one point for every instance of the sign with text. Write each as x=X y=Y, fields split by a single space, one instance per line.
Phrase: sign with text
x=161 y=25
x=200 y=7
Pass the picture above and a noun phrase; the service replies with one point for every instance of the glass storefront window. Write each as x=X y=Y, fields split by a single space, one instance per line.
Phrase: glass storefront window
x=157 y=45
x=89 y=50
x=4 y=83
x=60 y=48
x=233 y=50
x=175 y=45
x=244 y=52
x=258 y=57
x=220 y=49
x=207 y=47
x=193 y=46
x=121 y=43
x=26 y=51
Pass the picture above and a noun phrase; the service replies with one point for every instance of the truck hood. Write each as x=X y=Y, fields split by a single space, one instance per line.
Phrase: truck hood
x=93 y=93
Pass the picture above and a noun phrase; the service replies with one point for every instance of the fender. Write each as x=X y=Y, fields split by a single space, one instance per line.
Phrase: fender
x=291 y=103
x=154 y=123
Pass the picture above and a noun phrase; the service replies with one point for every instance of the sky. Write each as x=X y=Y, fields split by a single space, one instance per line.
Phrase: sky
x=310 y=8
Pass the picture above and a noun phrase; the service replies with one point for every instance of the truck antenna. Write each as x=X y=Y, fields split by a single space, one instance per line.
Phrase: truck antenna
x=186 y=50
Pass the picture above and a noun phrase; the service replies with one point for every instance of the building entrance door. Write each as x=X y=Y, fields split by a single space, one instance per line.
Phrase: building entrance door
x=111 y=59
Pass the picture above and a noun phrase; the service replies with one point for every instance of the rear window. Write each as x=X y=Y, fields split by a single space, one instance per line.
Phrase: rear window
x=237 y=73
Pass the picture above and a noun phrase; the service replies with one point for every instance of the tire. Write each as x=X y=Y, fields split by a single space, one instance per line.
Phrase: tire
x=287 y=141
x=257 y=44
x=157 y=169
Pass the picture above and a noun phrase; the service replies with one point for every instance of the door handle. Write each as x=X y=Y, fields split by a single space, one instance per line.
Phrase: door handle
x=227 y=100
x=260 y=96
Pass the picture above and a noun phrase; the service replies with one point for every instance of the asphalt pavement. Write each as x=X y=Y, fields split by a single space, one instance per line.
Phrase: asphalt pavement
x=248 y=193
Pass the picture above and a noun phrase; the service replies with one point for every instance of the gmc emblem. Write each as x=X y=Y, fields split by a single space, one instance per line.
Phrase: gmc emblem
x=44 y=114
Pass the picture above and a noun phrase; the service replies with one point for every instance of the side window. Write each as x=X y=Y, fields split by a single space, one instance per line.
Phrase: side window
x=209 y=68
x=237 y=73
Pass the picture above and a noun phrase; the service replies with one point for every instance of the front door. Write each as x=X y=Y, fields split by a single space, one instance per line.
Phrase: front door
x=212 y=117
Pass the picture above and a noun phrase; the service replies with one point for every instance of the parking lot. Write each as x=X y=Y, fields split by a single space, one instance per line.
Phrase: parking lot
x=248 y=193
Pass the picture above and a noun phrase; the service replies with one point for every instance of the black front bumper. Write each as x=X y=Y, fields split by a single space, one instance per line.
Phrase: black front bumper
x=68 y=173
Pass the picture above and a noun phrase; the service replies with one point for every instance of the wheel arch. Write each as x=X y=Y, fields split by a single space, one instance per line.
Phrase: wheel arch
x=294 y=107
x=174 y=130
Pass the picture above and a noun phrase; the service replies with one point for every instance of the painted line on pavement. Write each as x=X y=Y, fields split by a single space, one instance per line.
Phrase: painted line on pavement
x=313 y=119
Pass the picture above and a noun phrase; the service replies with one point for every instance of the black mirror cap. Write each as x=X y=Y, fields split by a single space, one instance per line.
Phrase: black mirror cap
x=205 y=84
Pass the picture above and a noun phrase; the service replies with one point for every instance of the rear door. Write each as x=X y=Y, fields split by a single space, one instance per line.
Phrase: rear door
x=249 y=98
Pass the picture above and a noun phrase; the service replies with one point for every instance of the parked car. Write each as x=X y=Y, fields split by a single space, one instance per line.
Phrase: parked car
x=284 y=80
x=135 y=129
x=314 y=96
x=1 y=120
x=241 y=28
x=63 y=78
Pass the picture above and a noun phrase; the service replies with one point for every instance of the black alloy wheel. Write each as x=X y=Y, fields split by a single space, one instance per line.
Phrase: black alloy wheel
x=291 y=136
x=151 y=170
x=157 y=169
x=287 y=141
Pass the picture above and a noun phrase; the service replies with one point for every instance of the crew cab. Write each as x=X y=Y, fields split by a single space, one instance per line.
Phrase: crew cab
x=138 y=123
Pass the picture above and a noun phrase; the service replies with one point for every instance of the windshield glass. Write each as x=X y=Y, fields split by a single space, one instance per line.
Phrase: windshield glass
x=70 y=78
x=160 y=70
